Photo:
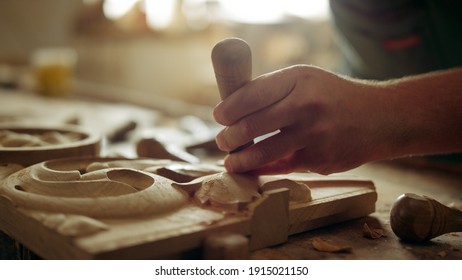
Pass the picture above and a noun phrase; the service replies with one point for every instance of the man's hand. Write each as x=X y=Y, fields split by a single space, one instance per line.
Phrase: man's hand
x=325 y=123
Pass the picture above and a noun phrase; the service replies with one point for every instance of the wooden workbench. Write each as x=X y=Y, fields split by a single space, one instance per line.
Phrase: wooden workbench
x=390 y=178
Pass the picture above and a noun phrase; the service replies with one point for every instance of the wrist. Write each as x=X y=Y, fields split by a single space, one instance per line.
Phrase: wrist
x=421 y=114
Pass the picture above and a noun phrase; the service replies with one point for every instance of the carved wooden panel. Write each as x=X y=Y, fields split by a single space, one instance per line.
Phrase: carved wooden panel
x=27 y=144
x=89 y=208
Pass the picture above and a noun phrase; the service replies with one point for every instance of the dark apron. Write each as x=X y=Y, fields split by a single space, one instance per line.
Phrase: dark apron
x=388 y=39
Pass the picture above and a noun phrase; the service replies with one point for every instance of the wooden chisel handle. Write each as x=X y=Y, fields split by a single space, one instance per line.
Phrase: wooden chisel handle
x=232 y=63
x=419 y=218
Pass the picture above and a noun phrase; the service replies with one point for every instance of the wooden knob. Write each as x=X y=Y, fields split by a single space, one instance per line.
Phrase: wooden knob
x=417 y=218
x=232 y=63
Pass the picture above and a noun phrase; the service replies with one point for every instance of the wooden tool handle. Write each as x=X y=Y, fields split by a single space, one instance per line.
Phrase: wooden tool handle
x=232 y=63
x=419 y=218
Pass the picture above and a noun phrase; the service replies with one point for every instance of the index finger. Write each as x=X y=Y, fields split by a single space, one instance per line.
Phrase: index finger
x=257 y=94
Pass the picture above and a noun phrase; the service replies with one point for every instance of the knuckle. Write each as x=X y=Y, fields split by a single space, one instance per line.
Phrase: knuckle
x=259 y=92
x=223 y=116
x=218 y=116
x=222 y=141
x=248 y=128
x=262 y=156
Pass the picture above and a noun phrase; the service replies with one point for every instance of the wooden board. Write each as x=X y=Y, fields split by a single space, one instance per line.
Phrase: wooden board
x=99 y=208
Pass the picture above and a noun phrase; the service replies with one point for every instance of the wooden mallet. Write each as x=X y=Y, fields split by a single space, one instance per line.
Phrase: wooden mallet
x=232 y=63
x=417 y=218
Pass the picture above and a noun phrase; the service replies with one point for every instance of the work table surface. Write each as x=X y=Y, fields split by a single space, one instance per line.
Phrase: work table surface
x=391 y=179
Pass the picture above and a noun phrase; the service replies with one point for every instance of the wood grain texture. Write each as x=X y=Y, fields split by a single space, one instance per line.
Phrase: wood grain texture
x=119 y=208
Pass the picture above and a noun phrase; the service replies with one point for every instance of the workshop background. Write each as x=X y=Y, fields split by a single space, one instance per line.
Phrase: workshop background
x=159 y=48
x=141 y=69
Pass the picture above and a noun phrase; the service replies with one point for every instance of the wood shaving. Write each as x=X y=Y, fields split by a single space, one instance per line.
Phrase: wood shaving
x=373 y=233
x=442 y=254
x=228 y=189
x=324 y=246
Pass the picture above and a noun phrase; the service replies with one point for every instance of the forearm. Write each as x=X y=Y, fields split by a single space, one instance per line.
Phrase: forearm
x=422 y=114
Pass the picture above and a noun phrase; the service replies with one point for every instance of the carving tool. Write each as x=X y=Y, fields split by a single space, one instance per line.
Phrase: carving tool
x=232 y=63
x=417 y=218
x=153 y=148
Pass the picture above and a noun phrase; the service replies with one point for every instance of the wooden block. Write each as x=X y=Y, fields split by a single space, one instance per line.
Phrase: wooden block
x=101 y=208
x=270 y=220
x=334 y=201
x=226 y=246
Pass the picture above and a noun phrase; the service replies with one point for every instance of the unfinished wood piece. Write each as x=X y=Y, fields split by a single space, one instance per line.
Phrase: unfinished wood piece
x=9 y=168
x=69 y=225
x=227 y=190
x=334 y=199
x=12 y=139
x=270 y=223
x=299 y=191
x=60 y=186
x=226 y=246
x=27 y=145
x=114 y=208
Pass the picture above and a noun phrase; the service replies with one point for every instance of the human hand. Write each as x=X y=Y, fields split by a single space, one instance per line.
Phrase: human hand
x=326 y=123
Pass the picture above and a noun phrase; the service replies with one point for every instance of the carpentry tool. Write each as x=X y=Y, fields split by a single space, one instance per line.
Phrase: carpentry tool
x=417 y=218
x=153 y=148
x=232 y=63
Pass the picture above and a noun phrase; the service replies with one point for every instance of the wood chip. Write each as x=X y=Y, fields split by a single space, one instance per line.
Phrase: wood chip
x=442 y=254
x=324 y=246
x=373 y=233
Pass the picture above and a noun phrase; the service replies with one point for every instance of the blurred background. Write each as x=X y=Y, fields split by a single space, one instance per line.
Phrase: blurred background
x=140 y=51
